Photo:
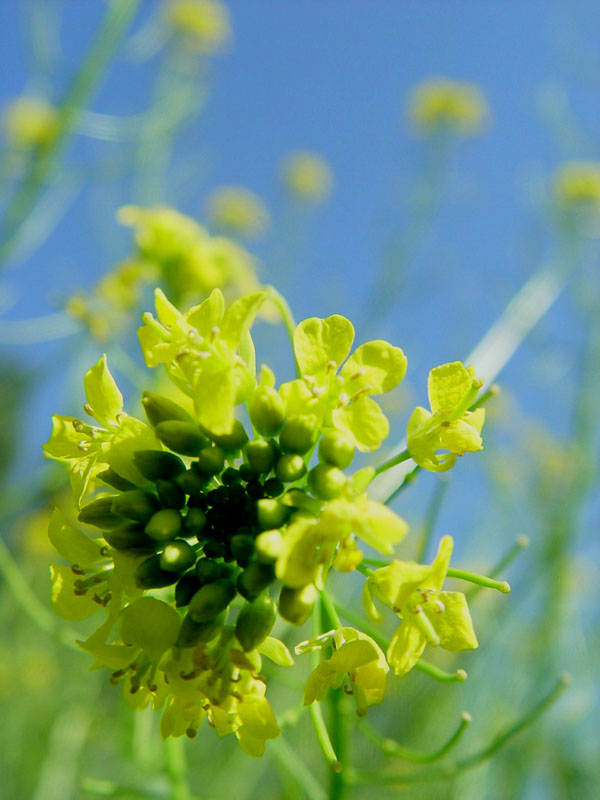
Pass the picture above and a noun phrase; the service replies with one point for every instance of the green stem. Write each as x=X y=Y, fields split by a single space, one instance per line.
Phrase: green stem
x=392 y=748
x=521 y=543
x=316 y=716
x=480 y=580
x=287 y=318
x=290 y=761
x=460 y=676
x=116 y=21
x=392 y=462
x=449 y=770
x=408 y=478
x=176 y=765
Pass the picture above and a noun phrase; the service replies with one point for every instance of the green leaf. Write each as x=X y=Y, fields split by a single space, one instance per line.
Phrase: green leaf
x=374 y=367
x=363 y=422
x=319 y=341
x=71 y=543
x=102 y=394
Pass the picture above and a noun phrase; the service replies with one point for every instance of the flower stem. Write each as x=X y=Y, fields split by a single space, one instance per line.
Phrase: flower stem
x=287 y=318
x=519 y=545
x=177 y=769
x=392 y=462
x=480 y=580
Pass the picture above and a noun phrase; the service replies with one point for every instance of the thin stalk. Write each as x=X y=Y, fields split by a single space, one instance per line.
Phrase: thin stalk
x=460 y=676
x=392 y=748
x=339 y=719
x=453 y=768
x=116 y=21
x=176 y=766
x=290 y=761
x=480 y=580
x=517 y=548
x=392 y=462
x=287 y=318
x=431 y=515
x=316 y=714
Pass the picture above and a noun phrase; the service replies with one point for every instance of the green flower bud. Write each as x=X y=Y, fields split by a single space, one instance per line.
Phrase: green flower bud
x=246 y=472
x=211 y=599
x=114 y=480
x=149 y=575
x=136 y=504
x=170 y=494
x=177 y=556
x=130 y=537
x=191 y=482
x=242 y=548
x=268 y=546
x=100 y=514
x=211 y=460
x=261 y=456
x=298 y=434
x=274 y=487
x=290 y=467
x=230 y=441
x=231 y=476
x=160 y=409
x=195 y=521
x=326 y=481
x=186 y=588
x=266 y=410
x=150 y=624
x=255 y=622
x=208 y=570
x=296 y=605
x=193 y=633
x=336 y=449
x=164 y=525
x=185 y=438
x=254 y=579
x=271 y=513
x=156 y=464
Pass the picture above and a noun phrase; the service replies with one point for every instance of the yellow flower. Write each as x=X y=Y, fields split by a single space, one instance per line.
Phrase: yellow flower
x=204 y=24
x=30 y=122
x=237 y=210
x=355 y=655
x=306 y=176
x=439 y=103
x=577 y=193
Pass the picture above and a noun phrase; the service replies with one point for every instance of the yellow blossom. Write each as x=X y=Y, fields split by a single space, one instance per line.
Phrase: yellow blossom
x=440 y=103
x=204 y=24
x=306 y=176
x=237 y=210
x=30 y=122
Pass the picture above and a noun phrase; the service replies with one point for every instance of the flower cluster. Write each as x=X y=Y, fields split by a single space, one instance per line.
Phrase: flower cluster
x=196 y=538
x=306 y=176
x=203 y=24
x=440 y=104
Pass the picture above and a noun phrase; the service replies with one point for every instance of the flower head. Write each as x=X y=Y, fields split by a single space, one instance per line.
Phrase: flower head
x=236 y=210
x=441 y=104
x=30 y=122
x=203 y=24
x=306 y=176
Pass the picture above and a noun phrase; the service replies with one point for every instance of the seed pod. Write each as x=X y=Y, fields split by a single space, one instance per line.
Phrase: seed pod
x=255 y=622
x=114 y=480
x=177 y=556
x=156 y=464
x=136 y=504
x=336 y=449
x=242 y=548
x=149 y=575
x=268 y=546
x=100 y=514
x=296 y=605
x=192 y=633
x=164 y=525
x=271 y=513
x=290 y=467
x=230 y=441
x=170 y=494
x=185 y=438
x=211 y=460
x=208 y=570
x=266 y=410
x=186 y=588
x=160 y=409
x=261 y=456
x=130 y=537
x=326 y=481
x=191 y=482
x=254 y=579
x=211 y=599
x=195 y=521
x=298 y=434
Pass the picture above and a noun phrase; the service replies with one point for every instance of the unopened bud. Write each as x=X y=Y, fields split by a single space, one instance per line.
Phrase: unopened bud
x=110 y=477
x=268 y=546
x=156 y=464
x=298 y=434
x=160 y=409
x=266 y=410
x=230 y=441
x=184 y=438
x=211 y=599
x=164 y=525
x=255 y=579
x=290 y=467
x=136 y=504
x=336 y=449
x=149 y=574
x=100 y=514
x=177 y=556
x=261 y=456
x=296 y=605
x=211 y=460
x=192 y=633
x=326 y=481
x=271 y=513
x=255 y=622
x=130 y=537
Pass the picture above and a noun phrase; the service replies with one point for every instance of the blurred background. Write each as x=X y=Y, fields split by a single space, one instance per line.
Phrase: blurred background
x=299 y=131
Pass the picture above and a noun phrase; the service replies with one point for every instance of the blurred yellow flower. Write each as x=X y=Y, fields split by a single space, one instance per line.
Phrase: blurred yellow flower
x=237 y=210
x=30 y=122
x=204 y=24
x=439 y=103
x=577 y=185
x=306 y=176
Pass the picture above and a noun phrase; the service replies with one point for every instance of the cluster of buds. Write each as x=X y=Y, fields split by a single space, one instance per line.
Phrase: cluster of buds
x=205 y=535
